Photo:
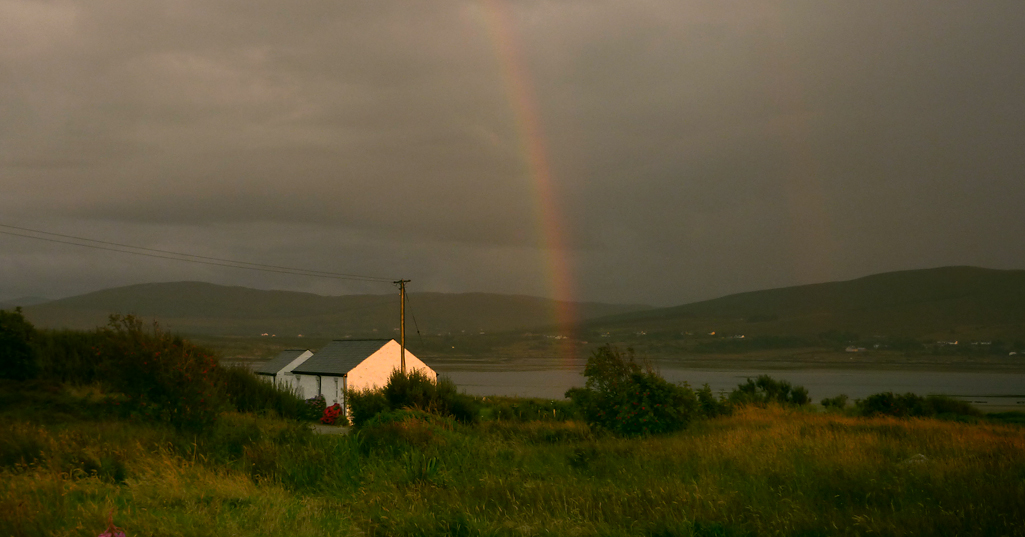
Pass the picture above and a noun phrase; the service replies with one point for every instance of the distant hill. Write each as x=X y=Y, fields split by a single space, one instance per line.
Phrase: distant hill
x=941 y=302
x=21 y=302
x=208 y=309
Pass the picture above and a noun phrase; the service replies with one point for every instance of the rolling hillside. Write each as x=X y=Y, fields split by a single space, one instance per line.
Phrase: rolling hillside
x=21 y=302
x=938 y=303
x=893 y=313
x=207 y=309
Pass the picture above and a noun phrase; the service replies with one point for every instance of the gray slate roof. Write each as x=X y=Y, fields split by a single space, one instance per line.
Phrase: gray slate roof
x=279 y=362
x=340 y=356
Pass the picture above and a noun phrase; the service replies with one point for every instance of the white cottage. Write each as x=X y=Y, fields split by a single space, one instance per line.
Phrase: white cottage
x=279 y=369
x=353 y=364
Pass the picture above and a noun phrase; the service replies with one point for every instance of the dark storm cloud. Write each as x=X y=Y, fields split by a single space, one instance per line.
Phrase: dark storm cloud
x=697 y=148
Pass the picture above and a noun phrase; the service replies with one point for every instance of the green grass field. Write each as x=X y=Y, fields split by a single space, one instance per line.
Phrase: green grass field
x=64 y=465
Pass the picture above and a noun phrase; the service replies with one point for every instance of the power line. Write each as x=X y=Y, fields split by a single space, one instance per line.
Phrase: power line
x=413 y=315
x=185 y=257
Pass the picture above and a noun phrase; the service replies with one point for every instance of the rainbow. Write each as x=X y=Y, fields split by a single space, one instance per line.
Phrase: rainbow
x=811 y=234
x=524 y=106
x=812 y=242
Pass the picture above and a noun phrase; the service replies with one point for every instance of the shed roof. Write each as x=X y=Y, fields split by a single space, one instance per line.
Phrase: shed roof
x=340 y=356
x=279 y=362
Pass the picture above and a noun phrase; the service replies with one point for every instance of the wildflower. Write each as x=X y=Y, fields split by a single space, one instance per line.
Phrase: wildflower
x=112 y=530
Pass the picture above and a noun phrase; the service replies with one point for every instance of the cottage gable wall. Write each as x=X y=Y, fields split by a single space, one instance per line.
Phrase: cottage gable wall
x=375 y=370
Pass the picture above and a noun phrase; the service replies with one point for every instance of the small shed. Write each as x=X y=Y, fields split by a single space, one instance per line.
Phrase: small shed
x=279 y=369
x=353 y=364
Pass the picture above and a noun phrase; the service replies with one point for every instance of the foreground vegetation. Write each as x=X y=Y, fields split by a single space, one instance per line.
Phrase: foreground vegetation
x=759 y=471
x=758 y=461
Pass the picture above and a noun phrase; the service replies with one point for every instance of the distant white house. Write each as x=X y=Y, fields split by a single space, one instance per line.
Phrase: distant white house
x=353 y=364
x=279 y=369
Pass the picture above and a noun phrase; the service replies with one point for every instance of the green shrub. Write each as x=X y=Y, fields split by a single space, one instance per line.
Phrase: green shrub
x=889 y=404
x=629 y=398
x=246 y=392
x=17 y=356
x=910 y=405
x=412 y=390
x=766 y=390
x=314 y=408
x=839 y=402
x=164 y=377
x=942 y=404
x=365 y=404
x=712 y=406
x=68 y=355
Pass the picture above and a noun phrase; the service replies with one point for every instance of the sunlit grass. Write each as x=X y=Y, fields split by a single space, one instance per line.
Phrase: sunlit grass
x=761 y=471
x=162 y=490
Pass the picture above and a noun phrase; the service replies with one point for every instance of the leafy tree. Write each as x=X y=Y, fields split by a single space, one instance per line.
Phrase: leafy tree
x=629 y=398
x=766 y=389
x=839 y=402
x=17 y=356
x=165 y=377
x=712 y=406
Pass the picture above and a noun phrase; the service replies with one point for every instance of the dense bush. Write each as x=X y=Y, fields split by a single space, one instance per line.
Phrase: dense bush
x=629 y=398
x=245 y=392
x=164 y=377
x=68 y=355
x=711 y=405
x=314 y=407
x=17 y=356
x=765 y=389
x=839 y=402
x=148 y=374
x=890 y=404
x=942 y=404
x=909 y=405
x=365 y=404
x=412 y=390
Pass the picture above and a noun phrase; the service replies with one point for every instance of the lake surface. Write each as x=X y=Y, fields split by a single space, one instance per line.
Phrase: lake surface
x=984 y=389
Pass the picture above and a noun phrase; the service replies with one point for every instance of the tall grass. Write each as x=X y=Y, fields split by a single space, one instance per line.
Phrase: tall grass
x=759 y=471
x=246 y=392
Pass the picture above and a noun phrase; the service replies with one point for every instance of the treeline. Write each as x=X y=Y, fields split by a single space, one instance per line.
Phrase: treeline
x=150 y=375
x=146 y=373
x=624 y=396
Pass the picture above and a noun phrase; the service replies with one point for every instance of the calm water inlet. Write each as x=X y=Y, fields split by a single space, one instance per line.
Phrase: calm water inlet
x=984 y=389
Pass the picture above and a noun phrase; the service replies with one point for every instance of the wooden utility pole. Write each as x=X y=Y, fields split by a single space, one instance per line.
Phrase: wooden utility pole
x=402 y=323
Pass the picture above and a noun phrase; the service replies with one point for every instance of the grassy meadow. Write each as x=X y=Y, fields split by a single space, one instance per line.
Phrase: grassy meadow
x=141 y=424
x=760 y=471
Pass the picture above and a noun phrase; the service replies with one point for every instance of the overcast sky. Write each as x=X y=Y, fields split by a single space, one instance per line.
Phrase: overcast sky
x=697 y=148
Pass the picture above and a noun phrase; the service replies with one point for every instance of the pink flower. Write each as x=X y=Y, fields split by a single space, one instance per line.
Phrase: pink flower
x=112 y=530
